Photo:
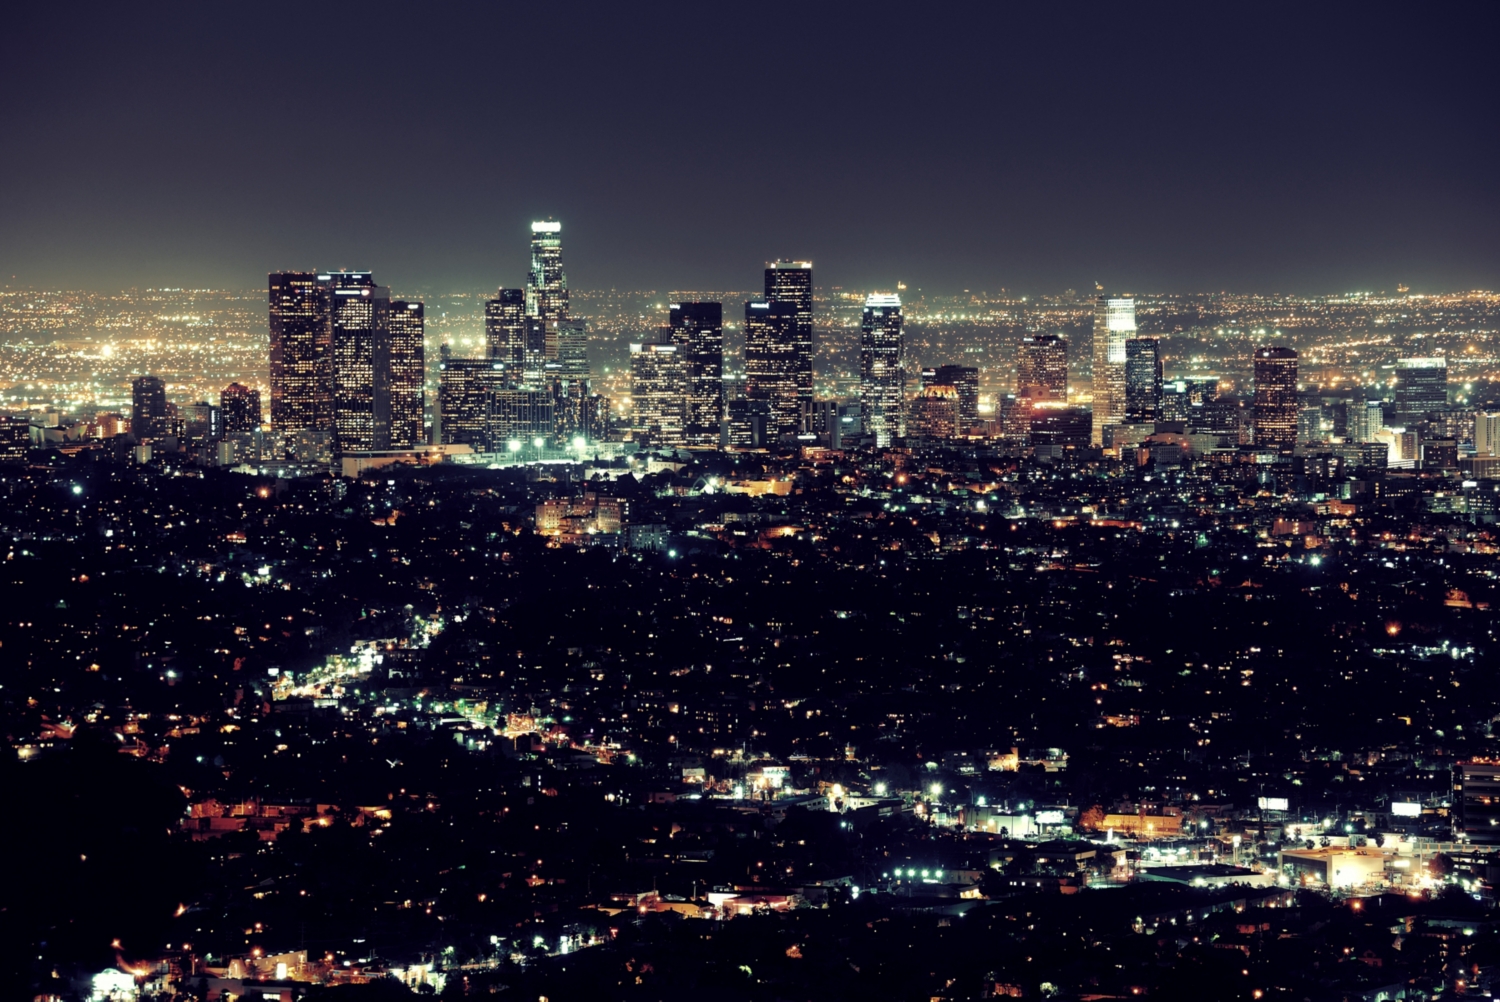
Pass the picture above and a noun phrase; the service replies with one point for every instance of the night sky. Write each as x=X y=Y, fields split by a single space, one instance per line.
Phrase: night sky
x=1252 y=147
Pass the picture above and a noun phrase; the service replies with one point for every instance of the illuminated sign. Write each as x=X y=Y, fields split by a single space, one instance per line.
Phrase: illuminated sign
x=1406 y=810
x=1272 y=803
x=1049 y=817
x=546 y=227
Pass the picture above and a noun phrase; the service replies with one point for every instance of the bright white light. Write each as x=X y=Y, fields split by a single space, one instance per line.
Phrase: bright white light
x=937 y=789
x=513 y=445
x=538 y=442
x=77 y=488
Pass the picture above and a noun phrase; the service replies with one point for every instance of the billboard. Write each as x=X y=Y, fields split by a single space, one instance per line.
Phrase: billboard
x=1273 y=803
x=1049 y=817
x=1406 y=810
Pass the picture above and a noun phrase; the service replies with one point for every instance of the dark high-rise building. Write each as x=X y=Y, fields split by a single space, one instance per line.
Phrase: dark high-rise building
x=1276 y=398
x=882 y=370
x=546 y=285
x=567 y=346
x=749 y=423
x=239 y=407
x=658 y=384
x=1142 y=379
x=505 y=328
x=1061 y=427
x=148 y=407
x=359 y=316
x=791 y=282
x=934 y=414
x=1042 y=368
x=698 y=332
x=301 y=353
x=965 y=381
x=771 y=363
x=1421 y=388
x=406 y=373
x=466 y=392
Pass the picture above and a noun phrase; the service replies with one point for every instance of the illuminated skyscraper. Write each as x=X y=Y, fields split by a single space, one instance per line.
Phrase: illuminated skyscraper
x=882 y=370
x=1487 y=433
x=466 y=395
x=1142 y=379
x=1042 y=368
x=301 y=353
x=658 y=392
x=1421 y=388
x=359 y=315
x=698 y=331
x=148 y=408
x=934 y=414
x=1276 y=398
x=791 y=282
x=406 y=369
x=505 y=328
x=771 y=363
x=239 y=407
x=1114 y=324
x=547 y=286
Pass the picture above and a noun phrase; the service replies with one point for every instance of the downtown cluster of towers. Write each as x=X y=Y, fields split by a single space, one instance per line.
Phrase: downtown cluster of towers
x=348 y=374
x=347 y=368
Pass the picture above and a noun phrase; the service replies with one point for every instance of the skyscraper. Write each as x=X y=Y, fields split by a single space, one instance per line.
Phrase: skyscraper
x=698 y=331
x=1276 y=398
x=406 y=379
x=1487 y=433
x=466 y=392
x=546 y=285
x=882 y=373
x=657 y=390
x=791 y=282
x=1142 y=379
x=1421 y=387
x=1114 y=324
x=771 y=363
x=239 y=407
x=148 y=407
x=301 y=355
x=505 y=328
x=1042 y=367
x=965 y=381
x=359 y=315
x=567 y=344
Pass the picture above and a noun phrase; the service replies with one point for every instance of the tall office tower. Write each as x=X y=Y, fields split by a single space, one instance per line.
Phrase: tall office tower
x=240 y=408
x=406 y=376
x=567 y=345
x=1042 y=367
x=882 y=370
x=359 y=317
x=546 y=285
x=1142 y=379
x=505 y=327
x=1276 y=398
x=748 y=422
x=657 y=390
x=301 y=353
x=771 y=364
x=148 y=407
x=1114 y=324
x=201 y=422
x=965 y=381
x=1487 y=433
x=1421 y=387
x=466 y=392
x=791 y=282
x=1363 y=420
x=698 y=332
